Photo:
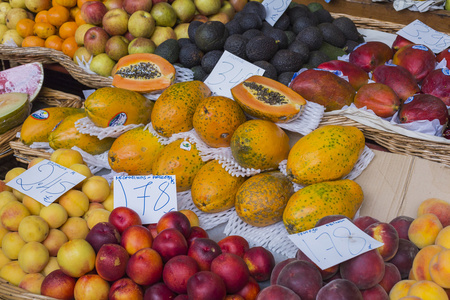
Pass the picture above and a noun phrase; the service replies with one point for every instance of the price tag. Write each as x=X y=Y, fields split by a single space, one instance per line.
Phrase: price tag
x=46 y=181
x=274 y=9
x=151 y=196
x=229 y=71
x=333 y=243
x=420 y=33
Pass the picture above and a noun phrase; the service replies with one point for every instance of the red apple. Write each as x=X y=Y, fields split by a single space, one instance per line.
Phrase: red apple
x=260 y=263
x=132 y=6
x=103 y=233
x=232 y=269
x=125 y=289
x=177 y=272
x=111 y=262
x=206 y=285
x=136 y=237
x=197 y=232
x=174 y=219
x=92 y=12
x=158 y=291
x=123 y=217
x=235 y=244
x=203 y=251
x=58 y=285
x=364 y=221
x=95 y=40
x=145 y=267
x=169 y=243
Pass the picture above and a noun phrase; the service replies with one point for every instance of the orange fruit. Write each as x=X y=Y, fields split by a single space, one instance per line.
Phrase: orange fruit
x=69 y=46
x=41 y=16
x=33 y=41
x=25 y=27
x=44 y=30
x=66 y=3
x=54 y=42
x=79 y=19
x=73 y=12
x=58 y=15
x=67 y=30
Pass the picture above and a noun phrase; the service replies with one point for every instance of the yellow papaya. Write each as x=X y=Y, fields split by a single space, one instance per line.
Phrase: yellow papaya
x=112 y=106
x=134 y=152
x=260 y=201
x=66 y=136
x=174 y=109
x=40 y=123
x=327 y=153
x=180 y=158
x=214 y=189
x=259 y=144
x=311 y=203
x=215 y=120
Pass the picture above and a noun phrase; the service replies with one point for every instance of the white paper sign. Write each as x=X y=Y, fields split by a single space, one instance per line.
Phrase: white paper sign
x=151 y=196
x=46 y=181
x=420 y=33
x=333 y=243
x=229 y=71
x=274 y=9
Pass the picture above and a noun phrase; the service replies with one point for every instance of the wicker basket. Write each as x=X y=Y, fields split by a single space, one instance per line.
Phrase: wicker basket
x=48 y=97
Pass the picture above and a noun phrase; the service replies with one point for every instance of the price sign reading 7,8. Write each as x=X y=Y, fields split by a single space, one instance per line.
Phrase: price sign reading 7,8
x=333 y=243
x=151 y=196
x=46 y=181
x=229 y=71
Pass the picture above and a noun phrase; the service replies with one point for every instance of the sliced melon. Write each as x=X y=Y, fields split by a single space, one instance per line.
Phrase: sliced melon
x=27 y=78
x=14 y=109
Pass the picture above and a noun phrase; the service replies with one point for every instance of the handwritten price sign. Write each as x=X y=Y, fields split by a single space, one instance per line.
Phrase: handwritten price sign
x=151 y=196
x=333 y=243
x=419 y=33
x=274 y=9
x=229 y=71
x=46 y=181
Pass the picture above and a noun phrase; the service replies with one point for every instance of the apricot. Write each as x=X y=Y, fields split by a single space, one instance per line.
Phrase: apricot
x=400 y=289
x=95 y=216
x=75 y=228
x=192 y=216
x=33 y=257
x=35 y=161
x=12 y=272
x=91 y=287
x=76 y=257
x=443 y=238
x=11 y=244
x=84 y=170
x=51 y=266
x=3 y=231
x=96 y=188
x=424 y=230
x=5 y=197
x=55 y=215
x=33 y=205
x=427 y=290
x=12 y=214
x=66 y=157
x=3 y=259
x=75 y=202
x=108 y=204
x=32 y=282
x=438 y=207
x=33 y=229
x=440 y=268
x=55 y=239
x=420 y=268
x=14 y=172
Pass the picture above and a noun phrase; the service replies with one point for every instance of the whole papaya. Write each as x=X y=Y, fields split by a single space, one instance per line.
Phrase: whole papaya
x=327 y=153
x=309 y=204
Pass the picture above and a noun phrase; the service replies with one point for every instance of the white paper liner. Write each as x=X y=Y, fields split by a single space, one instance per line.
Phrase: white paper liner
x=275 y=237
x=94 y=162
x=86 y=126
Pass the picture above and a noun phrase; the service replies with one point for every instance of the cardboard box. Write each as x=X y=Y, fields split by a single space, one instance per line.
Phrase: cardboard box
x=395 y=184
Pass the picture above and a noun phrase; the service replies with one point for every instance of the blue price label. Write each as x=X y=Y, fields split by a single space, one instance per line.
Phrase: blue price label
x=151 y=196
x=46 y=181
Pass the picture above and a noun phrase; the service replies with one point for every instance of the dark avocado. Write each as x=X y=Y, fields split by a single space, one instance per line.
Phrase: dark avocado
x=210 y=59
x=279 y=36
x=316 y=58
x=285 y=77
x=286 y=60
x=169 y=49
x=270 y=72
x=301 y=23
x=211 y=35
x=301 y=48
x=192 y=28
x=283 y=22
x=252 y=33
x=199 y=73
x=190 y=56
x=233 y=27
x=323 y=16
x=260 y=47
x=250 y=21
x=332 y=34
x=255 y=7
x=236 y=44
x=311 y=36
x=347 y=27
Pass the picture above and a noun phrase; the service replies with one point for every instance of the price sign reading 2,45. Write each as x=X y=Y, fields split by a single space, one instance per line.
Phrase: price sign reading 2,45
x=333 y=243
x=274 y=9
x=46 y=181
x=229 y=71
x=151 y=196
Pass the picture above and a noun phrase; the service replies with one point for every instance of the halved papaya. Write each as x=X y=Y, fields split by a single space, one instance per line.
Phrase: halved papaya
x=268 y=99
x=143 y=72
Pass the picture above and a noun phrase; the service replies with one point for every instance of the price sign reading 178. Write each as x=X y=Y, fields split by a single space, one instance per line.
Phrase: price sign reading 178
x=229 y=71
x=333 y=243
x=46 y=181
x=151 y=196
